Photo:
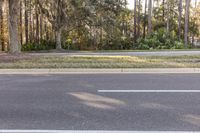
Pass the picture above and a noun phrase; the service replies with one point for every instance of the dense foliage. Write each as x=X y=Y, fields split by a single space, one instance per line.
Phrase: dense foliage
x=101 y=24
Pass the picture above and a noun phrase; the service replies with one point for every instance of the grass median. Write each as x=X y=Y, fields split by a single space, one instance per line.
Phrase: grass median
x=30 y=62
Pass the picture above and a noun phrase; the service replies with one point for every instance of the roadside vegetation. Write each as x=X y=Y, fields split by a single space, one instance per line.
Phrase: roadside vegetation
x=35 y=25
x=28 y=62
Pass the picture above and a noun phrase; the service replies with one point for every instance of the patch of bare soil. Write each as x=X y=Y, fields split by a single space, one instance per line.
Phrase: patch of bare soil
x=8 y=58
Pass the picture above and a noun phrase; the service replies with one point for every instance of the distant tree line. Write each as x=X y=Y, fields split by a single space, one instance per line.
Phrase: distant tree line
x=97 y=24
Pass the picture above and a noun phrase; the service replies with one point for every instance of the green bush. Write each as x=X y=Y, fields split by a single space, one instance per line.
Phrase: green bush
x=117 y=44
x=178 y=45
x=160 y=39
x=44 y=45
x=28 y=47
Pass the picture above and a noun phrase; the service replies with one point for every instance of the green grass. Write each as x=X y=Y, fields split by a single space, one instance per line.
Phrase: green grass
x=104 y=51
x=104 y=62
x=153 y=50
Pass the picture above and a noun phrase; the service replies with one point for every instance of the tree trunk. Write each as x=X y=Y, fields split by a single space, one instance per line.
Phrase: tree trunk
x=46 y=32
x=179 y=19
x=145 y=17
x=186 y=22
x=135 y=21
x=33 y=29
x=21 y=27
x=2 y=28
x=150 y=17
x=26 y=22
x=31 y=33
x=168 y=17
x=14 y=45
x=138 y=32
x=1 y=23
x=41 y=26
x=163 y=13
x=58 y=39
x=37 y=24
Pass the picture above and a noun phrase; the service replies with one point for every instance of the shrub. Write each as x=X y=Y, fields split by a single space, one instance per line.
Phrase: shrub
x=178 y=45
x=44 y=45
x=160 y=39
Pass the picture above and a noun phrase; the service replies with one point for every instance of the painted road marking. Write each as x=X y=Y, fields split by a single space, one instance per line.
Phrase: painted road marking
x=149 y=91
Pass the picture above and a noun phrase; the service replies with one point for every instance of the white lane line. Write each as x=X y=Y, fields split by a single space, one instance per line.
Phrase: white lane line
x=94 y=131
x=149 y=91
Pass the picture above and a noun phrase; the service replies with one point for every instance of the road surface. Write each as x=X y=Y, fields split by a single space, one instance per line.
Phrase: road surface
x=137 y=102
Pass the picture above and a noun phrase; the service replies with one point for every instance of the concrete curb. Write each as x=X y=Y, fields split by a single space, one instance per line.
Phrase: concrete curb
x=101 y=71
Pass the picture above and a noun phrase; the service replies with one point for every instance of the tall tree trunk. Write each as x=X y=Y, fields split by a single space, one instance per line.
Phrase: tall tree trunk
x=2 y=27
x=31 y=33
x=139 y=4
x=33 y=29
x=20 y=21
x=26 y=21
x=37 y=24
x=101 y=32
x=163 y=14
x=46 y=31
x=14 y=45
x=149 y=17
x=1 y=24
x=168 y=17
x=180 y=8
x=135 y=21
x=41 y=26
x=187 y=6
x=145 y=17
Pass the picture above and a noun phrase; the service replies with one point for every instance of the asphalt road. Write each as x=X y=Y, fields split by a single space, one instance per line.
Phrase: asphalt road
x=159 y=53
x=73 y=102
